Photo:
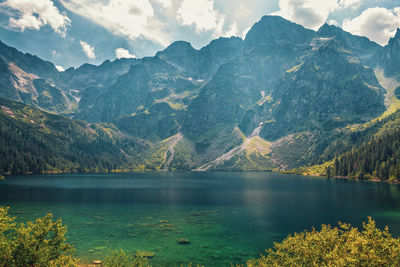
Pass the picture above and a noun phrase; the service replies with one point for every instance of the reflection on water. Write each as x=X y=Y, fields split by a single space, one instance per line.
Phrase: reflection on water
x=227 y=217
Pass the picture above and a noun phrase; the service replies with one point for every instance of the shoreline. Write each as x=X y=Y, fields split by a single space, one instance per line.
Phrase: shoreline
x=376 y=180
x=4 y=176
x=371 y=180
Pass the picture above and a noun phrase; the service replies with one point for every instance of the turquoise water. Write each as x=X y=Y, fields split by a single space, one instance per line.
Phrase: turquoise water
x=228 y=217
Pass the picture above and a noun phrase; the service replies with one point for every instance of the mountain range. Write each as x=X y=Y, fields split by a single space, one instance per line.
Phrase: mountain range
x=284 y=97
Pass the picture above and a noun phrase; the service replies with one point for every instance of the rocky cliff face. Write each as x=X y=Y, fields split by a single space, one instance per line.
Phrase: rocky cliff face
x=269 y=47
x=329 y=88
x=174 y=76
x=27 y=78
x=367 y=51
x=390 y=58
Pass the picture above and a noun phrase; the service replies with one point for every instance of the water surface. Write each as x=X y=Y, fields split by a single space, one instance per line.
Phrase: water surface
x=227 y=216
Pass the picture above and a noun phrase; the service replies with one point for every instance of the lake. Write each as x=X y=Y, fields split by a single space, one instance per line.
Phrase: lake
x=227 y=216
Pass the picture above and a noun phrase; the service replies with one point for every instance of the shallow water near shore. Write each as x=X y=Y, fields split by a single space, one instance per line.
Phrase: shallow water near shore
x=228 y=217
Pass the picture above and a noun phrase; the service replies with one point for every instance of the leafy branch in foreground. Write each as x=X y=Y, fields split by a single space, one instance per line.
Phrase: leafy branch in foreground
x=339 y=246
x=38 y=243
x=119 y=258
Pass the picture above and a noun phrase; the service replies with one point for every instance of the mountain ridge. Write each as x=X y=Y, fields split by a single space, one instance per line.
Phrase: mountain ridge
x=298 y=89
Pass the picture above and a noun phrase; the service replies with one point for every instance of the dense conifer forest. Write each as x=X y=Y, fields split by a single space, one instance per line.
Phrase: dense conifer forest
x=379 y=158
x=33 y=141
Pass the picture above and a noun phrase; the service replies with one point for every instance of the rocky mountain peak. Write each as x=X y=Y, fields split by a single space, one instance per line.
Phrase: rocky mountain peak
x=177 y=48
x=223 y=43
x=276 y=28
x=220 y=51
x=397 y=35
x=328 y=29
x=390 y=58
x=395 y=40
x=182 y=54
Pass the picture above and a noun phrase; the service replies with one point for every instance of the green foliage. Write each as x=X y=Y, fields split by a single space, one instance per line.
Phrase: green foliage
x=356 y=135
x=6 y=225
x=38 y=243
x=33 y=141
x=378 y=158
x=315 y=170
x=185 y=157
x=119 y=258
x=351 y=152
x=339 y=246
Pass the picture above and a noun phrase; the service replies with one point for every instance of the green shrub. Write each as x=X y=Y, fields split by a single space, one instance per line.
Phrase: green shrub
x=39 y=243
x=339 y=246
x=119 y=258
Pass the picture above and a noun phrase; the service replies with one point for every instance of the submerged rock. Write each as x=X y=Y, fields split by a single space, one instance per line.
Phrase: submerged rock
x=96 y=263
x=167 y=227
x=183 y=241
x=100 y=248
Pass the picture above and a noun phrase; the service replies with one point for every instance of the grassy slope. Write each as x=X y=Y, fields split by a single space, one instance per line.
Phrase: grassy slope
x=254 y=155
x=33 y=141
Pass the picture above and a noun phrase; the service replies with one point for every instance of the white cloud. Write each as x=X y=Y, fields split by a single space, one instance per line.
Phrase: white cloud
x=378 y=24
x=354 y=4
x=333 y=22
x=37 y=13
x=165 y=3
x=88 y=50
x=132 y=19
x=232 y=31
x=313 y=13
x=60 y=68
x=310 y=13
x=123 y=53
x=202 y=14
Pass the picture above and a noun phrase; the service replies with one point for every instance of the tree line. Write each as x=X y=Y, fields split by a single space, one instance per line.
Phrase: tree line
x=379 y=159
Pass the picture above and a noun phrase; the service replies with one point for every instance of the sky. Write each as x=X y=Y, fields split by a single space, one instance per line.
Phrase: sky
x=70 y=33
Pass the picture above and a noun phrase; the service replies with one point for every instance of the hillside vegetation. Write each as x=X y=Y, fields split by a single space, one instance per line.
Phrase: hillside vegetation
x=33 y=141
x=378 y=158
x=367 y=153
